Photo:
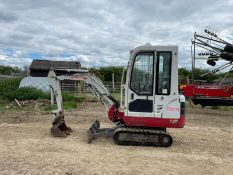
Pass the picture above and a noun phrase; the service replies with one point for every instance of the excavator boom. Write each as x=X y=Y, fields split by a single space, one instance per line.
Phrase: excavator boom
x=60 y=129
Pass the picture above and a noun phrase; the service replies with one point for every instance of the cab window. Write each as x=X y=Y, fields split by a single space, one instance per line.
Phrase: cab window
x=163 y=73
x=142 y=74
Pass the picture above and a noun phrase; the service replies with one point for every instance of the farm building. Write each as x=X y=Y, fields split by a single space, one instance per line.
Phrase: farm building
x=40 y=68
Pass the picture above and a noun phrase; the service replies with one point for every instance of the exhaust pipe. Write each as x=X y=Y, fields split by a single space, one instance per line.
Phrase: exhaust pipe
x=60 y=129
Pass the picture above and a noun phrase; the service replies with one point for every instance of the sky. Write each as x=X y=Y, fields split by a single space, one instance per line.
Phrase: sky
x=102 y=32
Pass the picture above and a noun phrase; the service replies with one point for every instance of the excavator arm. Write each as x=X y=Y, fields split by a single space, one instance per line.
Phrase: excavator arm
x=60 y=128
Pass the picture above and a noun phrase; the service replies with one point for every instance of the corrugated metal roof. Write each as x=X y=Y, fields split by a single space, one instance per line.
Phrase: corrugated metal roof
x=48 y=64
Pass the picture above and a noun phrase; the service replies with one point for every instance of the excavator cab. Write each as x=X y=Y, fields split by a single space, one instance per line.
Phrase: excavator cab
x=152 y=85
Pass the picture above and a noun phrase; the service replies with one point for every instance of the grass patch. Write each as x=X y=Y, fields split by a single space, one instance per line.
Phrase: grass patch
x=215 y=107
x=66 y=96
x=227 y=108
x=3 y=105
x=29 y=93
x=9 y=91
x=69 y=101
x=69 y=104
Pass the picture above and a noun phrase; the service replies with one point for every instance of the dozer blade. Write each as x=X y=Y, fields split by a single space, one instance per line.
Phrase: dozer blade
x=95 y=131
x=60 y=129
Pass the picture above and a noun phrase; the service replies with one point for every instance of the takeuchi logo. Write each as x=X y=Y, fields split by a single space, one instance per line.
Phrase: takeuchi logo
x=77 y=77
x=173 y=109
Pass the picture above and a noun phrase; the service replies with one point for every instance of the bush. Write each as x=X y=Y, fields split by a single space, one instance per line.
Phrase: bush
x=9 y=90
x=66 y=96
x=69 y=104
x=29 y=93
x=69 y=101
x=8 y=86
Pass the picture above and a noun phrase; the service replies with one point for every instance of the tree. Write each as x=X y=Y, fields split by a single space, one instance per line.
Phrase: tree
x=105 y=73
x=7 y=70
x=185 y=72
x=209 y=77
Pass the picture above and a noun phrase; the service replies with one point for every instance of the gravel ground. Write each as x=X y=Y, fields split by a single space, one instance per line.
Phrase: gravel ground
x=204 y=146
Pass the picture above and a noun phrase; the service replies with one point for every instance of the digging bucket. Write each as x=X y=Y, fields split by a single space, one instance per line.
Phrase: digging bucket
x=60 y=129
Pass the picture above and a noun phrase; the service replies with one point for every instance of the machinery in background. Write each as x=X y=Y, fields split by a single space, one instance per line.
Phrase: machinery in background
x=215 y=48
x=152 y=103
x=209 y=95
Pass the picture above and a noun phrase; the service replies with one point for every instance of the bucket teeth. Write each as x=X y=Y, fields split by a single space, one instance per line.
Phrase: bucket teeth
x=60 y=129
x=56 y=132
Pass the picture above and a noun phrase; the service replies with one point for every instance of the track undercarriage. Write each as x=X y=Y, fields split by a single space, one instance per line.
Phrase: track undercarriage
x=121 y=135
x=135 y=136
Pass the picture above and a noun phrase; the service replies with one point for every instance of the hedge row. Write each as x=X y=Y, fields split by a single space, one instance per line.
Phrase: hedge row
x=9 y=90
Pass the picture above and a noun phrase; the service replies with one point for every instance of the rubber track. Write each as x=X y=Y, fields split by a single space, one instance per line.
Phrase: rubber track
x=142 y=133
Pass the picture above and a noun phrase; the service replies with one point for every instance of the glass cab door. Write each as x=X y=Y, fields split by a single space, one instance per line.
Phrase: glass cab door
x=166 y=100
x=140 y=95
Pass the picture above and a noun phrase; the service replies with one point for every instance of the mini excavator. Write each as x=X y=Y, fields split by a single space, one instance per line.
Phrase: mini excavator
x=152 y=102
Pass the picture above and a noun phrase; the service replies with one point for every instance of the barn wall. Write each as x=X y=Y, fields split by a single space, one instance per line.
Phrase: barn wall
x=39 y=73
x=68 y=85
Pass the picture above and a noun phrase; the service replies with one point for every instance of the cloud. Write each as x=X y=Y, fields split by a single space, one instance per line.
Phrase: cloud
x=102 y=32
x=15 y=58
x=7 y=17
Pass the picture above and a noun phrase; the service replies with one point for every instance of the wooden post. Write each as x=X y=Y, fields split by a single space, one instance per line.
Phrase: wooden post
x=187 y=80
x=84 y=88
x=75 y=87
x=113 y=83
x=190 y=102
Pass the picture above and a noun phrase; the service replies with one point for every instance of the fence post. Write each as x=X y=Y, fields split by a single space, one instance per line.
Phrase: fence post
x=113 y=83
x=84 y=88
